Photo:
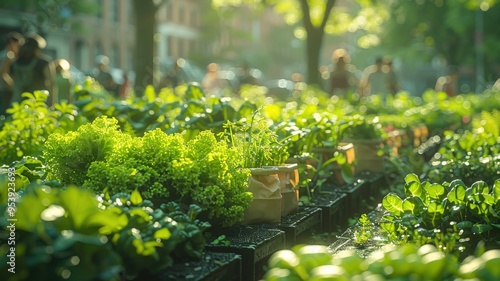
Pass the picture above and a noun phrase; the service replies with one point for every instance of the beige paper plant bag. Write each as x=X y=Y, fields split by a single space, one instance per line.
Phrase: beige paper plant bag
x=264 y=184
x=289 y=179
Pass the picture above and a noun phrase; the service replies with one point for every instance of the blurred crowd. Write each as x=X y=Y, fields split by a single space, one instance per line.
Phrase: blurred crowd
x=24 y=68
x=379 y=78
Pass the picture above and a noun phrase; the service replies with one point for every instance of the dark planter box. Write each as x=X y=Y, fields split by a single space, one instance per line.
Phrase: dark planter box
x=356 y=193
x=299 y=226
x=333 y=207
x=255 y=244
x=213 y=266
x=376 y=182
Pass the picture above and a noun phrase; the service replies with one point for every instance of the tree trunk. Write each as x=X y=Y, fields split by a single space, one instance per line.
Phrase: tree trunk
x=145 y=28
x=313 y=49
x=314 y=40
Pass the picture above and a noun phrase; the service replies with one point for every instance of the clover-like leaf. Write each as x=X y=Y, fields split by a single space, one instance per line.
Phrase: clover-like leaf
x=393 y=204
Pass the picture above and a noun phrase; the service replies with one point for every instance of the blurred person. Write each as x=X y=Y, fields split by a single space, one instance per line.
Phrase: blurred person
x=102 y=75
x=7 y=56
x=64 y=81
x=374 y=80
x=211 y=83
x=448 y=83
x=123 y=90
x=246 y=77
x=32 y=70
x=392 y=80
x=342 y=80
x=174 y=76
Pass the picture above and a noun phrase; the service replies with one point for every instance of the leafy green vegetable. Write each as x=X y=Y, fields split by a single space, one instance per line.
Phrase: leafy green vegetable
x=453 y=216
x=31 y=122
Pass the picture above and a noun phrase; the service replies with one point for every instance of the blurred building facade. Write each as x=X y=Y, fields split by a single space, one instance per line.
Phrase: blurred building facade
x=111 y=32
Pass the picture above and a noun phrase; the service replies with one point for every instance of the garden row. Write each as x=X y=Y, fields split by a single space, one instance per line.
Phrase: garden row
x=428 y=230
x=175 y=179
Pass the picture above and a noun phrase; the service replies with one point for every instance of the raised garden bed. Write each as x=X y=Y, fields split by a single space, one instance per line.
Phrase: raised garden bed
x=375 y=183
x=254 y=243
x=213 y=266
x=301 y=225
x=333 y=206
x=347 y=240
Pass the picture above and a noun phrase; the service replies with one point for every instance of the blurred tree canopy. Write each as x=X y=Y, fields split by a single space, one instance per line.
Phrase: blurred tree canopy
x=444 y=28
x=316 y=18
x=51 y=14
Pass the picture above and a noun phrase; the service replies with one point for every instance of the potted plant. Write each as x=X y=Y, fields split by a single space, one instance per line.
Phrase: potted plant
x=337 y=161
x=265 y=157
x=367 y=138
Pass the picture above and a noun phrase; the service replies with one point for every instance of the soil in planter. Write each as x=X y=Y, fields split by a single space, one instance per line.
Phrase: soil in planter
x=212 y=266
x=347 y=241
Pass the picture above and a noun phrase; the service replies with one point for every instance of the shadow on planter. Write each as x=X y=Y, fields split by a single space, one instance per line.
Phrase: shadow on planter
x=369 y=155
x=255 y=244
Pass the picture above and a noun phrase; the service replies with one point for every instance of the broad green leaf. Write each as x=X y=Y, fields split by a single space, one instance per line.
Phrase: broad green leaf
x=435 y=212
x=496 y=190
x=246 y=109
x=425 y=197
x=480 y=187
x=194 y=92
x=457 y=194
x=413 y=188
x=456 y=183
x=413 y=205
x=412 y=177
x=435 y=208
x=80 y=205
x=465 y=225
x=150 y=247
x=136 y=197
x=410 y=221
x=492 y=210
x=393 y=204
x=483 y=198
x=163 y=233
x=139 y=212
x=110 y=220
x=389 y=227
x=347 y=174
x=481 y=228
x=435 y=191
x=28 y=213
x=480 y=205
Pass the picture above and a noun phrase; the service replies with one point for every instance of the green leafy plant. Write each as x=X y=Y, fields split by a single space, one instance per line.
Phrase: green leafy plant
x=154 y=238
x=221 y=240
x=31 y=122
x=166 y=167
x=60 y=234
x=69 y=156
x=21 y=173
x=469 y=156
x=258 y=143
x=452 y=216
x=391 y=262
x=71 y=233
x=363 y=231
x=202 y=171
x=358 y=127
